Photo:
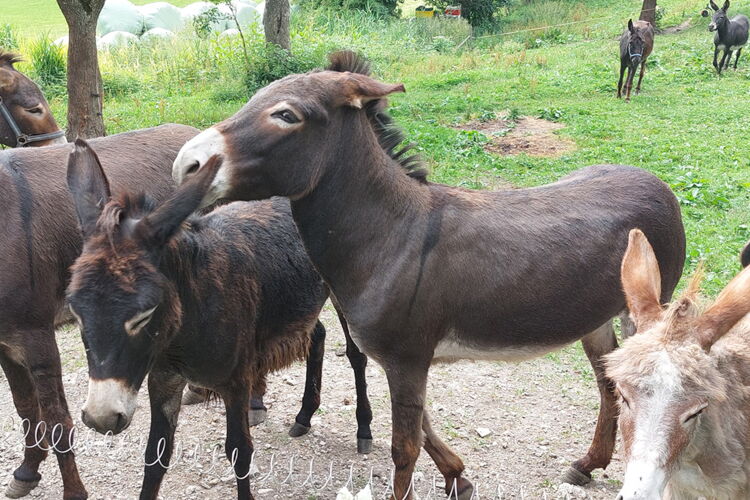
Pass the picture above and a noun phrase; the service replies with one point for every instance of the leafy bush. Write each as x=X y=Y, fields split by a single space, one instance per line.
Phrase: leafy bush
x=479 y=13
x=271 y=62
x=382 y=8
x=48 y=61
x=8 y=39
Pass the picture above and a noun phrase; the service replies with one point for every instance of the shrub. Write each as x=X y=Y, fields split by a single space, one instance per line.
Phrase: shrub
x=271 y=62
x=8 y=39
x=48 y=61
x=382 y=8
x=479 y=13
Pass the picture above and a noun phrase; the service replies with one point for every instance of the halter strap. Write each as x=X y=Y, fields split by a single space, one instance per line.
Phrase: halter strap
x=21 y=138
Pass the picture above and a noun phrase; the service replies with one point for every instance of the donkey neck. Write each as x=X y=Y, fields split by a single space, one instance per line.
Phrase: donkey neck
x=360 y=216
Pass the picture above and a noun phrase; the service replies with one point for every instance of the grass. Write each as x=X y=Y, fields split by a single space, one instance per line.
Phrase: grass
x=688 y=126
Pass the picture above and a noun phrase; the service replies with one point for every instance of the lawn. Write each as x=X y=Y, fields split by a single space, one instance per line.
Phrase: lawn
x=689 y=126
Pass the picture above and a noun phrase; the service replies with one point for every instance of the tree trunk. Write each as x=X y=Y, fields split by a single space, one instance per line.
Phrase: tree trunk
x=85 y=118
x=276 y=23
x=648 y=12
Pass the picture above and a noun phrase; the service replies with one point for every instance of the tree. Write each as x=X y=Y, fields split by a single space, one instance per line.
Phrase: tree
x=648 y=11
x=85 y=118
x=276 y=23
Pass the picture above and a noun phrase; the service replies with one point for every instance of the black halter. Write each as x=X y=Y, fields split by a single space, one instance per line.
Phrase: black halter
x=21 y=138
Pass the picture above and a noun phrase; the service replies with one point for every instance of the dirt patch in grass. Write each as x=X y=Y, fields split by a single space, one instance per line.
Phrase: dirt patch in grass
x=529 y=135
x=676 y=29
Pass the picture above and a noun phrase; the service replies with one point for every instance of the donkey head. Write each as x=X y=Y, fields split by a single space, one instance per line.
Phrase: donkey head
x=719 y=19
x=636 y=43
x=664 y=376
x=25 y=103
x=126 y=308
x=281 y=141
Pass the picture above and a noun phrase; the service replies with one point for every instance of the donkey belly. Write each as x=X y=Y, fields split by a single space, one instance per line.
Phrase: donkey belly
x=453 y=348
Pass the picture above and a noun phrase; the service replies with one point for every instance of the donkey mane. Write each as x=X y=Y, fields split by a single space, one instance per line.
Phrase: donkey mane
x=9 y=58
x=390 y=136
x=131 y=205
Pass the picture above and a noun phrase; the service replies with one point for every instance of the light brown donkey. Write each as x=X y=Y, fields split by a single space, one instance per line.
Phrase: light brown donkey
x=684 y=387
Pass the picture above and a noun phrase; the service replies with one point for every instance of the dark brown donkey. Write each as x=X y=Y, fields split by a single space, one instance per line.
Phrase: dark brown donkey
x=426 y=272
x=25 y=117
x=218 y=300
x=39 y=240
x=636 y=44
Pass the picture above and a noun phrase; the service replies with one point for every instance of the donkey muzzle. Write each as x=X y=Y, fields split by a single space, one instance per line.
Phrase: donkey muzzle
x=712 y=27
x=109 y=407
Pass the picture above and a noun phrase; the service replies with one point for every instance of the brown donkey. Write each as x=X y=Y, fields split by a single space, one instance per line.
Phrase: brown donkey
x=160 y=292
x=39 y=240
x=636 y=44
x=683 y=385
x=428 y=273
x=25 y=117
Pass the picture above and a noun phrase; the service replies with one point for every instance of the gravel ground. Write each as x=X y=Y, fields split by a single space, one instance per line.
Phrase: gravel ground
x=516 y=426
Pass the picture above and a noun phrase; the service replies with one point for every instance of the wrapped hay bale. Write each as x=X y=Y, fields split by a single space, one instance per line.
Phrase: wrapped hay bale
x=231 y=32
x=119 y=15
x=116 y=39
x=157 y=34
x=161 y=15
x=62 y=41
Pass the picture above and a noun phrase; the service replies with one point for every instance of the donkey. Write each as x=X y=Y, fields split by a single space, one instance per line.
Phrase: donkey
x=636 y=44
x=429 y=273
x=683 y=385
x=39 y=240
x=25 y=117
x=731 y=34
x=158 y=293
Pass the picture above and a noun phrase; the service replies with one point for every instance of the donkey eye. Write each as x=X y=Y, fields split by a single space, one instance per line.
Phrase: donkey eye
x=287 y=116
x=694 y=414
x=35 y=111
x=137 y=322
x=623 y=400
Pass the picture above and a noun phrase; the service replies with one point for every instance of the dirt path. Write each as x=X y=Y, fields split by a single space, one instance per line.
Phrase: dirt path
x=540 y=416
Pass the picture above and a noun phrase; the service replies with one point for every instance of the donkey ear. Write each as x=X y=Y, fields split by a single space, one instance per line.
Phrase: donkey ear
x=641 y=280
x=726 y=6
x=630 y=26
x=357 y=90
x=713 y=5
x=87 y=184
x=732 y=304
x=745 y=255
x=158 y=227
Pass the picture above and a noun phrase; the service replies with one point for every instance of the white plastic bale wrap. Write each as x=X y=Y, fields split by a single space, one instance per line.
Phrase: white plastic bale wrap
x=116 y=39
x=157 y=34
x=246 y=13
x=161 y=15
x=231 y=32
x=194 y=10
x=62 y=41
x=261 y=8
x=120 y=15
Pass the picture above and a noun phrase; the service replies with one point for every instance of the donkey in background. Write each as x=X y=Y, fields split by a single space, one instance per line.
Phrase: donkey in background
x=636 y=44
x=682 y=383
x=217 y=300
x=731 y=34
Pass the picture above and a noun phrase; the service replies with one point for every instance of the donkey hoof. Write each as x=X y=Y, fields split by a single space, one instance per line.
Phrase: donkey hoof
x=17 y=488
x=465 y=490
x=364 y=446
x=575 y=477
x=256 y=416
x=298 y=430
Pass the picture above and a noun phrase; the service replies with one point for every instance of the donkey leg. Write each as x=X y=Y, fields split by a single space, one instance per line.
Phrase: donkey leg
x=629 y=83
x=26 y=399
x=358 y=362
x=597 y=344
x=448 y=463
x=165 y=393
x=407 y=381
x=313 y=376
x=239 y=445
x=623 y=67
x=739 y=51
x=640 y=78
x=258 y=412
x=716 y=56
x=723 y=59
x=729 y=59
x=44 y=362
